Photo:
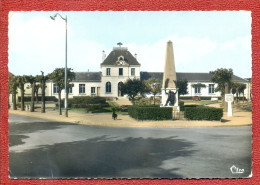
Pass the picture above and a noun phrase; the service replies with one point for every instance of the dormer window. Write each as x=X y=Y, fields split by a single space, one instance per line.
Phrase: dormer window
x=120 y=60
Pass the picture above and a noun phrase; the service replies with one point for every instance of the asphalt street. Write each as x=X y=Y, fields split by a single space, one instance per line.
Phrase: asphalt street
x=42 y=149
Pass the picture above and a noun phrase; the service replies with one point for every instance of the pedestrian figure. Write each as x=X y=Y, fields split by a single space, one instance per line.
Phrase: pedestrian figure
x=114 y=115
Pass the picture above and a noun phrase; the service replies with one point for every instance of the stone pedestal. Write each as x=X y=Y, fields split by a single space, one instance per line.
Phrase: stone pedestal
x=164 y=97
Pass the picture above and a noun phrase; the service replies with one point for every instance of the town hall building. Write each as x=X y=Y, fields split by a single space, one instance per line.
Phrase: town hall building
x=121 y=65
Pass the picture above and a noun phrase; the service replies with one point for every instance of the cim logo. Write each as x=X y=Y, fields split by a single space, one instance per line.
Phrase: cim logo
x=235 y=169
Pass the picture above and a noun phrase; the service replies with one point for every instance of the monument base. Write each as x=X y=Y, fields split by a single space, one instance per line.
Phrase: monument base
x=177 y=115
x=164 y=98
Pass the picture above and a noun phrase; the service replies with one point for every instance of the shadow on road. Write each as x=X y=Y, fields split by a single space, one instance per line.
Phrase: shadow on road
x=101 y=157
x=36 y=126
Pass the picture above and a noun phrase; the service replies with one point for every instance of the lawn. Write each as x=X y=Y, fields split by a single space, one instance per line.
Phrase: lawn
x=202 y=102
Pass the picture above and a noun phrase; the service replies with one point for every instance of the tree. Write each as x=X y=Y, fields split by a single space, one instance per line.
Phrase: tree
x=12 y=85
x=154 y=87
x=36 y=91
x=43 y=86
x=57 y=76
x=241 y=89
x=21 y=80
x=234 y=89
x=32 y=81
x=38 y=78
x=238 y=88
x=182 y=86
x=133 y=87
x=222 y=77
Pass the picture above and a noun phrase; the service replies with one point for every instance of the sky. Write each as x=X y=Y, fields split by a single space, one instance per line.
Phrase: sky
x=202 y=41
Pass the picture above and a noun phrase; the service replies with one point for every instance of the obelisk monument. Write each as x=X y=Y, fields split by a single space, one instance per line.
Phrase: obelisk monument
x=169 y=91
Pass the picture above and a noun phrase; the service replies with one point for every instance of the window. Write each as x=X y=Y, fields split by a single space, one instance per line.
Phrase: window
x=211 y=88
x=132 y=71
x=70 y=89
x=121 y=71
x=108 y=87
x=197 y=90
x=93 y=90
x=108 y=71
x=81 y=88
x=55 y=88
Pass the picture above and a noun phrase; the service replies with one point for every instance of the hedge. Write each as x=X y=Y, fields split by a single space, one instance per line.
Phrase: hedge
x=240 y=98
x=47 y=98
x=150 y=113
x=181 y=105
x=86 y=101
x=203 y=113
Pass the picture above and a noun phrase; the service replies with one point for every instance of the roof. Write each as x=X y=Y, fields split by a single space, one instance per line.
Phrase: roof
x=10 y=74
x=238 y=79
x=190 y=77
x=87 y=77
x=113 y=56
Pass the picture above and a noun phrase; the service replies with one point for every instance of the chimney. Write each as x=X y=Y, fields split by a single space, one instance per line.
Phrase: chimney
x=103 y=56
x=135 y=56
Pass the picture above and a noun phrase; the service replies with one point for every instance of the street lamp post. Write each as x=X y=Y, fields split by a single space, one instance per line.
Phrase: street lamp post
x=66 y=76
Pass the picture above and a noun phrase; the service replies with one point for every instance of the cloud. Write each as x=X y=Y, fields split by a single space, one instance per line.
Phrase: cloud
x=187 y=50
x=38 y=40
x=243 y=43
x=86 y=55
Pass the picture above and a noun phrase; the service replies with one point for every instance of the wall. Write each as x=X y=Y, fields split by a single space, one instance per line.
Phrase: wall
x=114 y=78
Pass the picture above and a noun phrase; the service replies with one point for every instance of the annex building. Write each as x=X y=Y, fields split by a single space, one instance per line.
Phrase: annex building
x=121 y=65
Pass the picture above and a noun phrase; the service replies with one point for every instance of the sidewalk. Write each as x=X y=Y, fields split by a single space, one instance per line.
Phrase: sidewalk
x=105 y=119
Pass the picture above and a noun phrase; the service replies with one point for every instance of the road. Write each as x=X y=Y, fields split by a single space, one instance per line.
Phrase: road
x=40 y=148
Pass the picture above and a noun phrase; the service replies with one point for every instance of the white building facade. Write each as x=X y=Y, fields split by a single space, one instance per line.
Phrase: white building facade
x=119 y=66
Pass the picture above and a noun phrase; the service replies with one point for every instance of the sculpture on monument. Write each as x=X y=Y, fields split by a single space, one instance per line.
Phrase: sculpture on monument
x=171 y=95
x=171 y=98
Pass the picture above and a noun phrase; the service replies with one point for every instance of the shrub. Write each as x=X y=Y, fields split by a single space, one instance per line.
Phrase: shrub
x=192 y=106
x=150 y=113
x=47 y=98
x=97 y=109
x=123 y=108
x=203 y=113
x=240 y=98
x=142 y=101
x=181 y=105
x=86 y=101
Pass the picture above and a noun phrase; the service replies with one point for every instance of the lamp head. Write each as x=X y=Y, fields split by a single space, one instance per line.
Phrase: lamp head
x=53 y=17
